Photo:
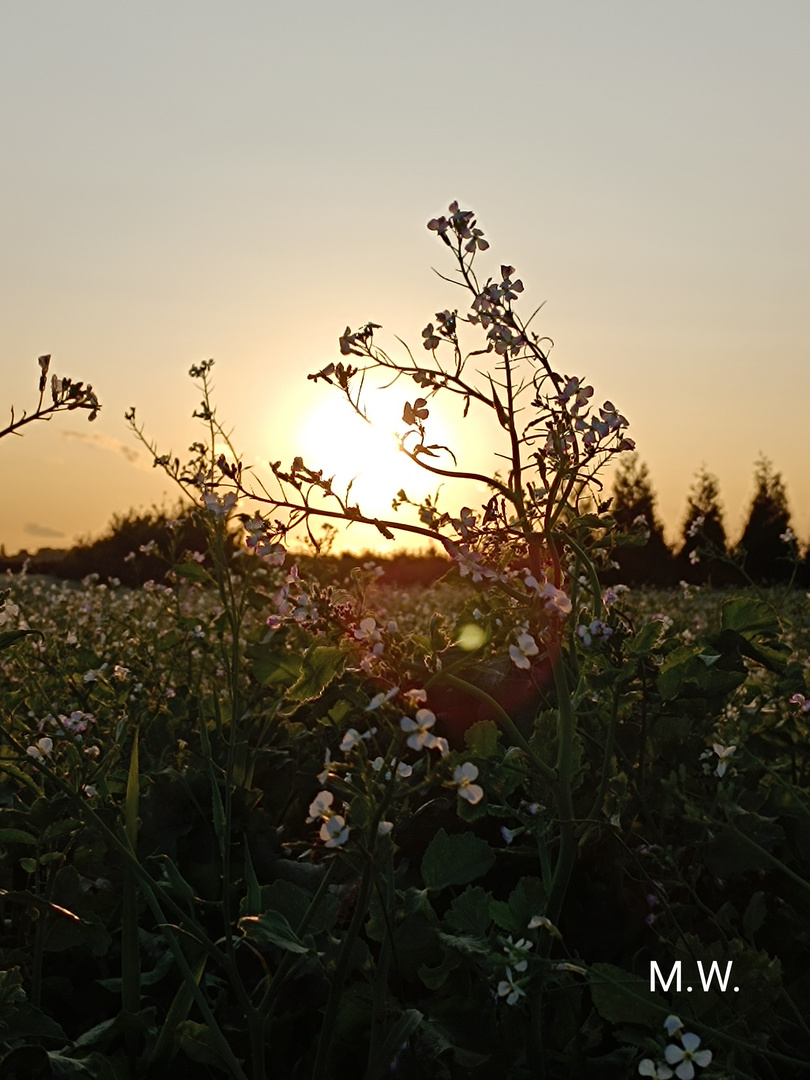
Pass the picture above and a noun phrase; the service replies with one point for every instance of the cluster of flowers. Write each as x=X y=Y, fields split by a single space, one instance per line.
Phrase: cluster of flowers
x=417 y=730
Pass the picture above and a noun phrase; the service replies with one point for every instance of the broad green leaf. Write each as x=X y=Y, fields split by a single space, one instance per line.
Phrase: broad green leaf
x=482 y=738
x=526 y=900
x=321 y=664
x=271 y=929
x=746 y=615
x=455 y=860
x=16 y=836
x=623 y=998
x=192 y=571
x=642 y=643
x=469 y=912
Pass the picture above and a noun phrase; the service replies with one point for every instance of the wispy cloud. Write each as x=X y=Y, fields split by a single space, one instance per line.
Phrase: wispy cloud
x=44 y=532
x=105 y=442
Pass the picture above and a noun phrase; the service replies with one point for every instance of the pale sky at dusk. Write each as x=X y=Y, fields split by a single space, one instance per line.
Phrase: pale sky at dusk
x=185 y=180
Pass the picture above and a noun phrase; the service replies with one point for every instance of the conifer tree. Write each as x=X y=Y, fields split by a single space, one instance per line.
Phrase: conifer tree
x=768 y=544
x=634 y=508
x=703 y=526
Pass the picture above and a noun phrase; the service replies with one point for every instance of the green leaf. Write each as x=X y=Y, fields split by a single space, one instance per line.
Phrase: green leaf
x=321 y=664
x=623 y=998
x=16 y=836
x=192 y=571
x=482 y=738
x=527 y=899
x=643 y=643
x=397 y=1035
x=11 y=637
x=271 y=929
x=747 y=615
x=469 y=912
x=197 y=1042
x=755 y=913
x=455 y=860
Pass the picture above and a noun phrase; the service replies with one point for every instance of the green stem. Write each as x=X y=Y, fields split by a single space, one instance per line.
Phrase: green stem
x=475 y=691
x=342 y=970
x=566 y=727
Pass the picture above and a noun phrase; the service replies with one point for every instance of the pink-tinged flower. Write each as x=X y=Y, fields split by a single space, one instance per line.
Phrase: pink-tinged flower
x=367 y=631
x=520 y=653
x=321 y=806
x=557 y=603
x=416 y=697
x=219 y=507
x=463 y=776
x=419 y=734
x=683 y=1056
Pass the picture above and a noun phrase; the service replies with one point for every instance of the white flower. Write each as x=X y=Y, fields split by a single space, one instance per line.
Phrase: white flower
x=683 y=1057
x=647 y=1067
x=416 y=697
x=724 y=753
x=321 y=806
x=508 y=989
x=322 y=777
x=334 y=831
x=381 y=698
x=384 y=828
x=350 y=739
x=463 y=776
x=521 y=652
x=418 y=729
x=517 y=952
x=673 y=1025
x=43 y=747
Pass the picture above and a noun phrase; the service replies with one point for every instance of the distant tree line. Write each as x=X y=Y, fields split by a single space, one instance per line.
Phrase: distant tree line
x=141 y=546
x=767 y=553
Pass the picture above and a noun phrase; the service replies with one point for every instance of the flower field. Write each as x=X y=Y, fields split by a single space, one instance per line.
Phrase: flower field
x=216 y=870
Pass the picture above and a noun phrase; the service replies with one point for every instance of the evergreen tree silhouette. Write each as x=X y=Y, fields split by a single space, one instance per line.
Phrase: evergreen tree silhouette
x=767 y=543
x=634 y=508
x=704 y=534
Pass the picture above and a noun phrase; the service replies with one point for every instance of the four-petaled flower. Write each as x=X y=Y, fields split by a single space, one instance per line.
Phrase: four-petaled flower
x=520 y=653
x=683 y=1056
x=419 y=734
x=463 y=776
x=509 y=989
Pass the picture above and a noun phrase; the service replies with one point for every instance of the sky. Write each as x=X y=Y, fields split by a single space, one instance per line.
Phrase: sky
x=193 y=180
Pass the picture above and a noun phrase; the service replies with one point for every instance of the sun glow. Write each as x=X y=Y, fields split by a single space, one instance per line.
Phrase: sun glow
x=349 y=449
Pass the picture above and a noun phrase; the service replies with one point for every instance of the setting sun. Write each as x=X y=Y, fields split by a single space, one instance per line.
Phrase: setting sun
x=367 y=454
